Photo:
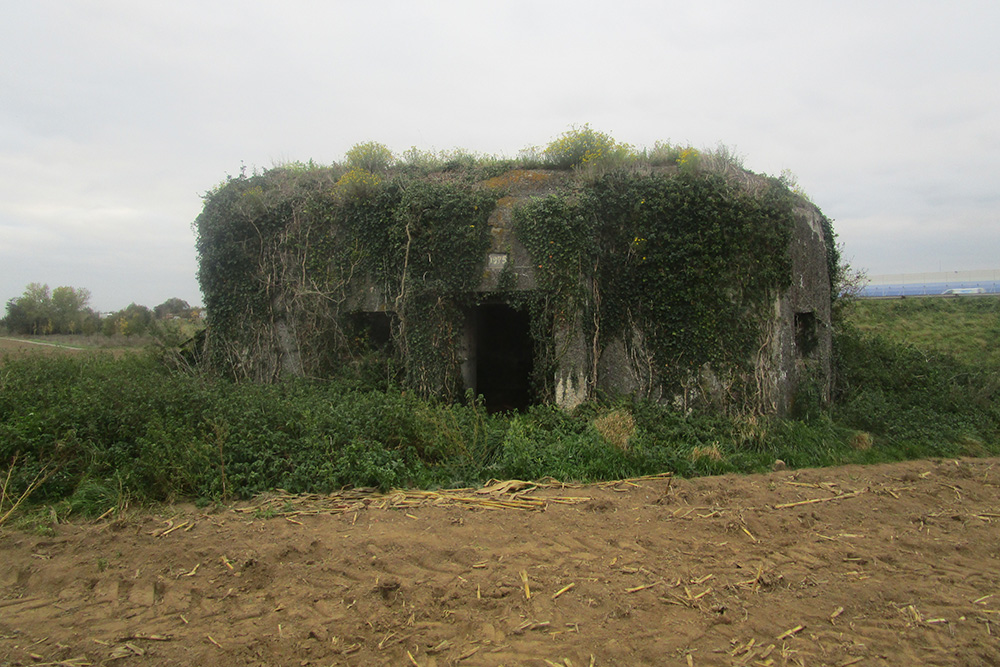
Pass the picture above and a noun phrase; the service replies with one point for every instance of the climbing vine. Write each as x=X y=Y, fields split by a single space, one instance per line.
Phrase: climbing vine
x=446 y=238
x=285 y=256
x=677 y=263
x=685 y=266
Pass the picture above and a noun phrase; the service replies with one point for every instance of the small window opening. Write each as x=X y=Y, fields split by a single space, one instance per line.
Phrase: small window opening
x=806 y=339
x=370 y=331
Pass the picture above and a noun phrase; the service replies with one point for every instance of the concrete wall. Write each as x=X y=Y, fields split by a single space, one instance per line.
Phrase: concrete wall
x=791 y=362
x=800 y=319
x=507 y=254
x=795 y=342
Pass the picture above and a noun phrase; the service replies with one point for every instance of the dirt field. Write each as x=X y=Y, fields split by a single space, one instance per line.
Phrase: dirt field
x=887 y=565
x=14 y=347
x=17 y=346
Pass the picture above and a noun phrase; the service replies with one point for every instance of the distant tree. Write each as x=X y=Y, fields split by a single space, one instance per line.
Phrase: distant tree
x=31 y=313
x=69 y=309
x=172 y=307
x=111 y=325
x=16 y=320
x=41 y=311
x=90 y=322
x=37 y=303
x=133 y=320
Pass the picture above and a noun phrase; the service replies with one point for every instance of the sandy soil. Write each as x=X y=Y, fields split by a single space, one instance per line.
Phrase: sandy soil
x=885 y=565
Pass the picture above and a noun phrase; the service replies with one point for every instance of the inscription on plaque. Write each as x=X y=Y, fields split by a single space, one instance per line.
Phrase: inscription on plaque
x=497 y=260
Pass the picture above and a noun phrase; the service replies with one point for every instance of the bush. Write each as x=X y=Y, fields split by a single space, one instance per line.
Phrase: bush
x=357 y=183
x=127 y=422
x=585 y=146
x=370 y=156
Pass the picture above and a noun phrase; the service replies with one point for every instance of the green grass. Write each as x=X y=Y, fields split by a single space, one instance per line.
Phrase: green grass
x=967 y=328
x=95 y=432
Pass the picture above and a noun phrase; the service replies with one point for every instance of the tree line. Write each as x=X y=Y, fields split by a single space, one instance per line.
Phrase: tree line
x=66 y=310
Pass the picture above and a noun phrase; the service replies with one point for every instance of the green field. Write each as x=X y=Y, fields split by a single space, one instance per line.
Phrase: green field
x=966 y=327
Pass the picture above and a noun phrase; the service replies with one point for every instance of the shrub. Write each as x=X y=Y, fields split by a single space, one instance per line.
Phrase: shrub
x=585 y=146
x=370 y=156
x=662 y=154
x=357 y=183
x=689 y=159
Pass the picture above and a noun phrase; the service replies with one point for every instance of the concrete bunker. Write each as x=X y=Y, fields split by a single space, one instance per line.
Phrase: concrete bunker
x=443 y=275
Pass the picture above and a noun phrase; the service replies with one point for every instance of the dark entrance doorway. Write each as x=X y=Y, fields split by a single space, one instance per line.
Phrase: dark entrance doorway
x=504 y=357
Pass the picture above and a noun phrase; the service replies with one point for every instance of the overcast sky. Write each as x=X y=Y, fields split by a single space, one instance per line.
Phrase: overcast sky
x=115 y=116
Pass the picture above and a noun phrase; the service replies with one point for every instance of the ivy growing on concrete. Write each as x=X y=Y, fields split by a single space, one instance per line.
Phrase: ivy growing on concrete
x=679 y=262
x=685 y=265
x=287 y=256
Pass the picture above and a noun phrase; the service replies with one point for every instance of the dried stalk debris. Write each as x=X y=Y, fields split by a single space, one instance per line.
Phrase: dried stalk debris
x=841 y=496
x=511 y=494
